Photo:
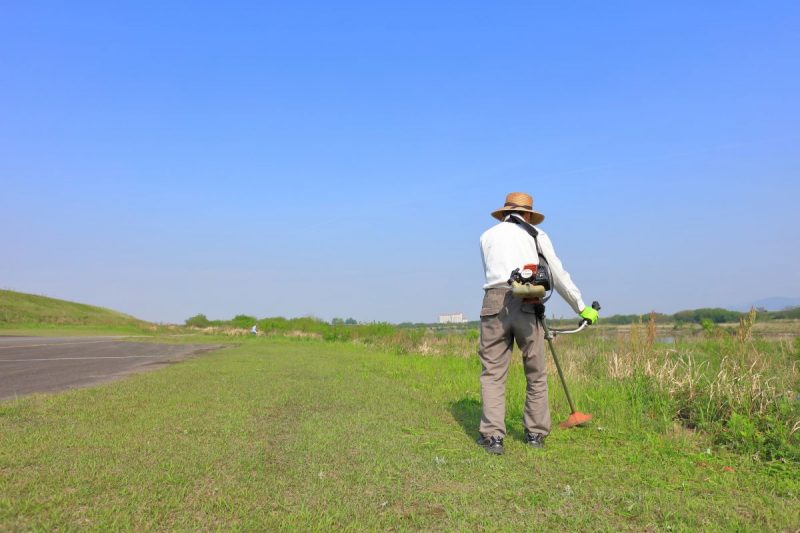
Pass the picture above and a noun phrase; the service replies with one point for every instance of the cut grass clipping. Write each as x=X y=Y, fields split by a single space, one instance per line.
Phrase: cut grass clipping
x=307 y=434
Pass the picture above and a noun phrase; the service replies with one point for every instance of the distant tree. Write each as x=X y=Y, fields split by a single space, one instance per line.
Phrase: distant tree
x=715 y=315
x=351 y=321
x=198 y=321
x=337 y=321
x=622 y=319
x=789 y=312
x=243 y=321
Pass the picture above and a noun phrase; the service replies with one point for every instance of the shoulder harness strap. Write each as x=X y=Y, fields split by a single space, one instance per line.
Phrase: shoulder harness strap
x=533 y=232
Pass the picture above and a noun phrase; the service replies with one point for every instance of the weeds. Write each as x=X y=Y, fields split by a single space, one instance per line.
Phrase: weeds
x=651 y=329
x=744 y=332
x=754 y=385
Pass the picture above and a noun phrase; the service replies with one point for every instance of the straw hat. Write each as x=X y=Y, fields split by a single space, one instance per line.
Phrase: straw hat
x=521 y=202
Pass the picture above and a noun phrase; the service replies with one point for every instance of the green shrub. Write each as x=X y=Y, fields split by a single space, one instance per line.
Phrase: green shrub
x=709 y=326
x=243 y=321
x=767 y=437
x=337 y=334
x=198 y=321
x=274 y=324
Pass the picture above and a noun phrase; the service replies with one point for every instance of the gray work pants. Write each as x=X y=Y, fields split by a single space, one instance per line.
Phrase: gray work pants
x=505 y=319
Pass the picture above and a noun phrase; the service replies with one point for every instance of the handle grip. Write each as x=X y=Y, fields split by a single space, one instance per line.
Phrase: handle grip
x=596 y=307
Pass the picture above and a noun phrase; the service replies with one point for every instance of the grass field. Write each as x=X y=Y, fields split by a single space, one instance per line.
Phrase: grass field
x=304 y=434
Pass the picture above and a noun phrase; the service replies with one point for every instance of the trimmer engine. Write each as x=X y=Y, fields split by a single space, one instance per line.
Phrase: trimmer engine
x=531 y=275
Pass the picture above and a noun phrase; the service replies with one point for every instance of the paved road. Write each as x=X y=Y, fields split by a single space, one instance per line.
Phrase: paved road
x=46 y=364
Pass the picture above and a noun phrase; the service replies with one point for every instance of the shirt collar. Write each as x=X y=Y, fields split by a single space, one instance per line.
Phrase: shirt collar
x=515 y=215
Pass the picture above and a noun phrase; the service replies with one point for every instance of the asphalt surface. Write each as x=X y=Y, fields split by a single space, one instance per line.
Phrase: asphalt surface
x=46 y=364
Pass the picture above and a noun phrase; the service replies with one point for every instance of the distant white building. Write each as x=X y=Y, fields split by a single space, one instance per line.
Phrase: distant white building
x=452 y=318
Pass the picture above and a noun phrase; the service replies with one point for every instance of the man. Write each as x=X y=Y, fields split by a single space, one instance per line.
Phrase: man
x=506 y=318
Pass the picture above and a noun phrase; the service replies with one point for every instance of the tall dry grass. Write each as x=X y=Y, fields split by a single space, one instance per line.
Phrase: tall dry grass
x=740 y=389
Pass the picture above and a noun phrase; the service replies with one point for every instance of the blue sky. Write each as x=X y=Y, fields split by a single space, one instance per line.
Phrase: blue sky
x=341 y=159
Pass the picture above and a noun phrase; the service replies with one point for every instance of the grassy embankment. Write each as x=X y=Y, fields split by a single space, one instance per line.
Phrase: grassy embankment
x=22 y=313
x=308 y=434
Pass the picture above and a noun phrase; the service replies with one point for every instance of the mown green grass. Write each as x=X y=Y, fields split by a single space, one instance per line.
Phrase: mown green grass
x=280 y=434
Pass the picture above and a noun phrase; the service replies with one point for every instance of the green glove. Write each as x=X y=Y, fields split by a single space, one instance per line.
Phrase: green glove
x=590 y=315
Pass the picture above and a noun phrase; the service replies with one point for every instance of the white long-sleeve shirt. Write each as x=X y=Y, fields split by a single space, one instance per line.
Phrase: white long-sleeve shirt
x=507 y=246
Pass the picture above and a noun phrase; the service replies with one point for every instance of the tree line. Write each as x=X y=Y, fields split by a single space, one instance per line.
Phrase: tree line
x=692 y=316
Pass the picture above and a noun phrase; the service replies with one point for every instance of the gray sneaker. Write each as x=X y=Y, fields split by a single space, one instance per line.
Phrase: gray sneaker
x=493 y=445
x=534 y=440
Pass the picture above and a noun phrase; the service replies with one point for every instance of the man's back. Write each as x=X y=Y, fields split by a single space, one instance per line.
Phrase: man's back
x=504 y=247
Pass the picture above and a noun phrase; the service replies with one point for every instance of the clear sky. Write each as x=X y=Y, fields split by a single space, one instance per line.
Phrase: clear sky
x=341 y=158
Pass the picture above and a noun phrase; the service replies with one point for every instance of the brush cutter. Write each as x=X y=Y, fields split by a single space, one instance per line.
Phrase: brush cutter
x=576 y=418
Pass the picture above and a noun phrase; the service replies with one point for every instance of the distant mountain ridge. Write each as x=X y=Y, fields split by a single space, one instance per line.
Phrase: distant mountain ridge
x=773 y=303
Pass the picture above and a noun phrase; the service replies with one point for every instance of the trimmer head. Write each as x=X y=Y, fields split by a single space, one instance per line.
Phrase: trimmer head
x=575 y=419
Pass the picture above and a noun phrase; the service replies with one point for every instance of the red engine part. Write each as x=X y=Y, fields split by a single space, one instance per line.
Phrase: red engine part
x=528 y=272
